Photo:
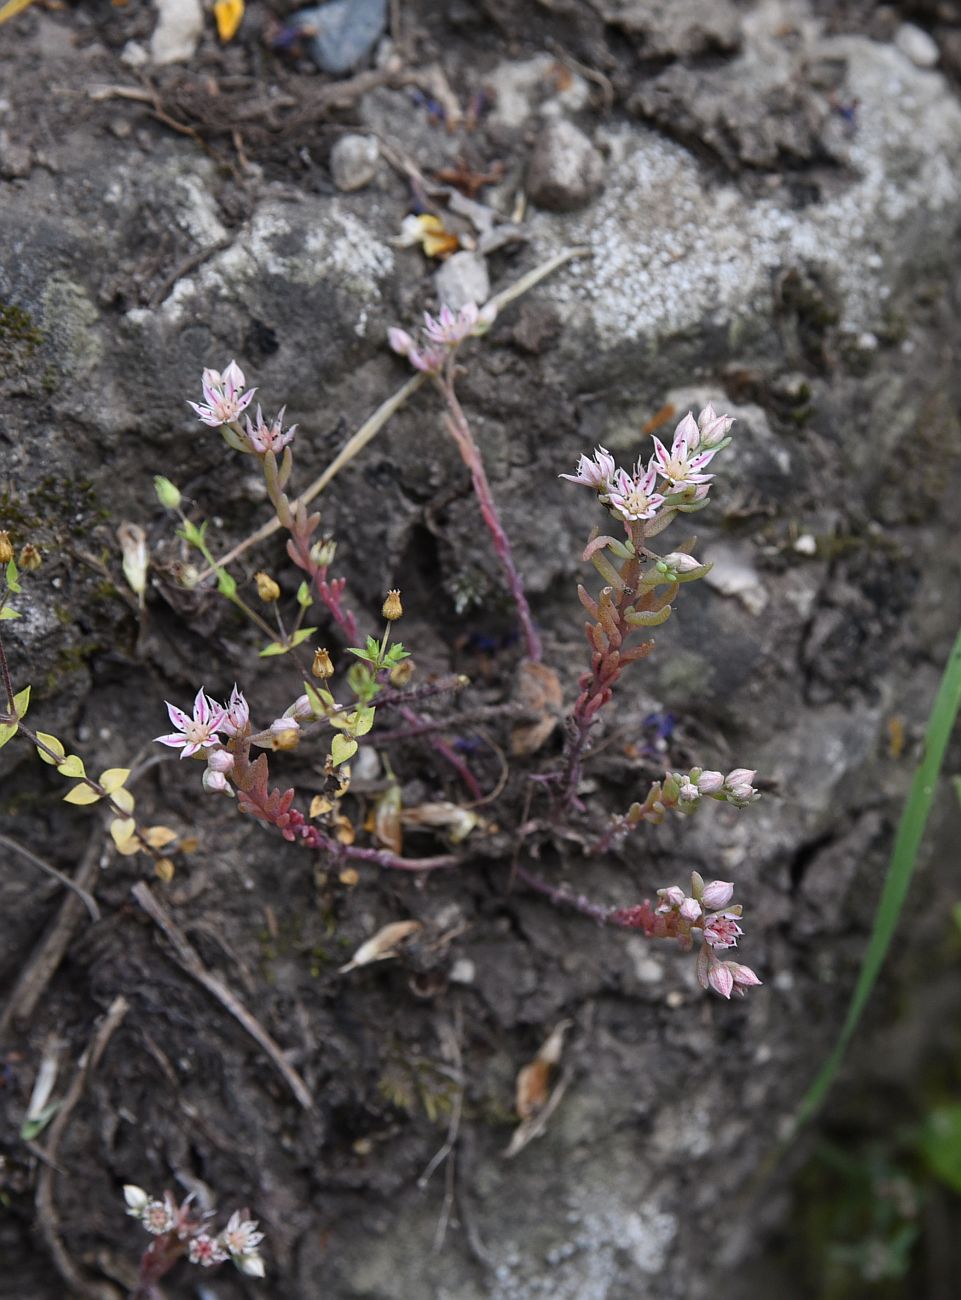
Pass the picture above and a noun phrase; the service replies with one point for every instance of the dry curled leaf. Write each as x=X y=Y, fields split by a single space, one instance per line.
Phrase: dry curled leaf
x=133 y=544
x=228 y=15
x=430 y=232
x=384 y=944
x=534 y=1099
x=539 y=693
x=455 y=821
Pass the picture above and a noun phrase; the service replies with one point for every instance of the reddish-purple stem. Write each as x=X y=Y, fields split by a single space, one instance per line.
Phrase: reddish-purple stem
x=461 y=433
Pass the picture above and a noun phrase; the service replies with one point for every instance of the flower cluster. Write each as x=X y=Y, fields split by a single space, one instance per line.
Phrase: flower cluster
x=705 y=915
x=736 y=788
x=683 y=483
x=180 y=1229
x=443 y=334
x=225 y=402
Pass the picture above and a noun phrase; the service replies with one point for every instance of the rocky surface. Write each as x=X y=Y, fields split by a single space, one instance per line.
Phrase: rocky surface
x=772 y=249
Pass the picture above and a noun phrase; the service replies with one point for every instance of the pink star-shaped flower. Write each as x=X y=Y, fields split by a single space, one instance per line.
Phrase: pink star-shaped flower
x=198 y=732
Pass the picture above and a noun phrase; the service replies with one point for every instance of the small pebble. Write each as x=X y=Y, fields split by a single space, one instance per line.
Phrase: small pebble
x=353 y=161
x=343 y=32
x=463 y=278
x=915 y=43
x=565 y=171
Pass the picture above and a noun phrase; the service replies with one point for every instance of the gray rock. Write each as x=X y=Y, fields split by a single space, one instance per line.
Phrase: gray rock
x=463 y=278
x=915 y=43
x=343 y=33
x=565 y=171
x=353 y=161
x=15 y=159
x=665 y=28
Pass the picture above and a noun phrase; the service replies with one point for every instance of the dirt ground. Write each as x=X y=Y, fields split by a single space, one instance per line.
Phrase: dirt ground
x=159 y=219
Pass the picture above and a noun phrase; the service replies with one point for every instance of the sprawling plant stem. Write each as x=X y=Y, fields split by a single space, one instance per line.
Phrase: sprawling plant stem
x=607 y=636
x=624 y=918
x=460 y=431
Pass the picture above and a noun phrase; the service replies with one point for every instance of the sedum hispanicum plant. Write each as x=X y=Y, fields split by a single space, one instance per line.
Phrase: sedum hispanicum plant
x=639 y=588
x=182 y=1230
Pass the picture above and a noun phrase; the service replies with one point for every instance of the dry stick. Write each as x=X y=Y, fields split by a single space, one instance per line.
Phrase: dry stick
x=188 y=959
x=388 y=408
x=47 y=1217
x=85 y=898
x=43 y=963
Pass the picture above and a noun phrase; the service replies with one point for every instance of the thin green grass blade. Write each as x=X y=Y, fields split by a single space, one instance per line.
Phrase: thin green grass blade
x=900 y=870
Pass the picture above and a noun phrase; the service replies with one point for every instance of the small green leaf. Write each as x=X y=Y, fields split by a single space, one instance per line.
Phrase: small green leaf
x=21 y=702
x=941 y=1144
x=226 y=584
x=7 y=732
x=191 y=534
x=363 y=720
x=275 y=648
x=53 y=743
x=72 y=765
x=81 y=794
x=31 y=1128
x=342 y=749
x=303 y=596
x=301 y=635
x=13 y=576
x=8 y=612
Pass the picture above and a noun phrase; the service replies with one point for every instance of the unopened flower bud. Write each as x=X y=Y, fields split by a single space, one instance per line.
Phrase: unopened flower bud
x=485 y=319
x=322 y=553
x=300 y=710
x=717 y=894
x=392 y=608
x=681 y=562
x=399 y=340
x=670 y=898
x=221 y=760
x=215 y=782
x=168 y=494
x=710 y=782
x=401 y=673
x=690 y=909
x=6 y=547
x=30 y=557
x=267 y=589
x=285 y=733
x=323 y=666
x=689 y=793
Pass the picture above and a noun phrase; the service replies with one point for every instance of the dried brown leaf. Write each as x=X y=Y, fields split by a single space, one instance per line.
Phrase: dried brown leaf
x=382 y=945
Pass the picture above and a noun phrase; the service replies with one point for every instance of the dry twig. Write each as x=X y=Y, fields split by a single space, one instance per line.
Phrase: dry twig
x=47 y=1217
x=188 y=959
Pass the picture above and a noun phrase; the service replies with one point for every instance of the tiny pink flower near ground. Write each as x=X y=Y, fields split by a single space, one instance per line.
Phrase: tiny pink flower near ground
x=682 y=466
x=721 y=930
x=158 y=1217
x=689 y=793
x=198 y=732
x=224 y=398
x=594 y=472
x=264 y=437
x=744 y=977
x=221 y=760
x=710 y=782
x=690 y=909
x=236 y=714
x=215 y=782
x=450 y=329
x=205 y=1250
x=634 y=498
x=240 y=1237
x=717 y=894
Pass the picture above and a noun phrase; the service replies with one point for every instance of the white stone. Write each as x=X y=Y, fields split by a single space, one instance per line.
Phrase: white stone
x=180 y=25
x=734 y=574
x=916 y=45
x=353 y=161
x=463 y=278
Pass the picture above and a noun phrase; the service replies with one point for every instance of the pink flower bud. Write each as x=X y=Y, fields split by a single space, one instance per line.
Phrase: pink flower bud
x=670 y=898
x=717 y=894
x=215 y=782
x=300 y=710
x=740 y=776
x=710 y=782
x=400 y=340
x=689 y=792
x=690 y=909
x=720 y=979
x=744 y=977
x=221 y=760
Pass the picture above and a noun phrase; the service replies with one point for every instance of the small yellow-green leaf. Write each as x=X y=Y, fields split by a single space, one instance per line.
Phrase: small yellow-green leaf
x=303 y=596
x=341 y=721
x=21 y=702
x=342 y=749
x=8 y=612
x=158 y=837
x=123 y=799
x=7 y=732
x=72 y=765
x=226 y=585
x=301 y=635
x=114 y=778
x=53 y=743
x=81 y=794
x=121 y=829
x=363 y=720
x=13 y=576
x=275 y=648
x=316 y=703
